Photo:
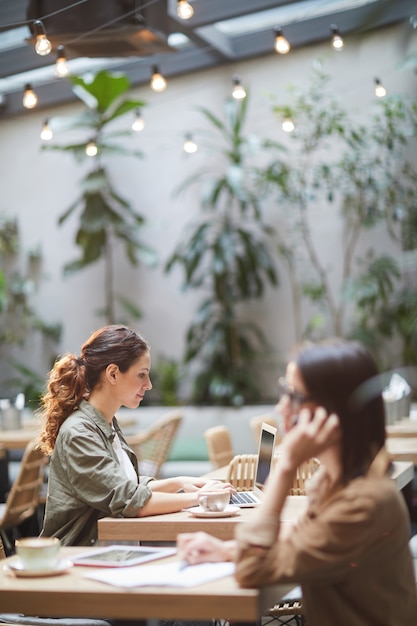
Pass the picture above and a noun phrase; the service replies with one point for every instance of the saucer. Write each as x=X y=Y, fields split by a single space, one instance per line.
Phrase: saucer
x=229 y=511
x=17 y=569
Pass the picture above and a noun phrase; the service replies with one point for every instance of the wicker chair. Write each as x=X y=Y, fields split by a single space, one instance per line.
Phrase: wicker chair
x=219 y=445
x=242 y=468
x=24 y=497
x=152 y=446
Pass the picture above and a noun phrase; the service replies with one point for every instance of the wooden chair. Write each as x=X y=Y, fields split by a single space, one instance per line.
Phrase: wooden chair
x=152 y=446
x=256 y=422
x=241 y=471
x=287 y=611
x=242 y=468
x=24 y=497
x=219 y=445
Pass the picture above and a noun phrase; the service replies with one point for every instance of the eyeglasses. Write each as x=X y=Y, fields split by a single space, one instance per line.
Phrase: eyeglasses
x=296 y=397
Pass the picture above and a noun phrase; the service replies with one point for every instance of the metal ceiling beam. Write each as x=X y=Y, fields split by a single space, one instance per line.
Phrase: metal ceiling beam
x=206 y=51
x=212 y=11
x=12 y=12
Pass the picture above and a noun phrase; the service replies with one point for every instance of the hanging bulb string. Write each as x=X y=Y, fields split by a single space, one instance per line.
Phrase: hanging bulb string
x=86 y=34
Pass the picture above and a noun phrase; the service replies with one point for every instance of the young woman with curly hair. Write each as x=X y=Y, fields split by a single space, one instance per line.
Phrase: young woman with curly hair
x=93 y=473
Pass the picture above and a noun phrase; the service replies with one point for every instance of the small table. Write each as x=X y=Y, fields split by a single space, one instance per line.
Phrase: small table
x=403 y=448
x=403 y=428
x=17 y=439
x=72 y=595
x=166 y=527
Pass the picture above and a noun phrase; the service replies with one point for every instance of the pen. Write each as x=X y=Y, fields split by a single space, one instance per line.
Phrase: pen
x=183 y=565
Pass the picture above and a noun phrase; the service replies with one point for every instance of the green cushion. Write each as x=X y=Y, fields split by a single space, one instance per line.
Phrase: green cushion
x=188 y=449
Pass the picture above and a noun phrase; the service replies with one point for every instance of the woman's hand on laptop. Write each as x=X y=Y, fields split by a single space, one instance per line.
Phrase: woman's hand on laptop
x=201 y=547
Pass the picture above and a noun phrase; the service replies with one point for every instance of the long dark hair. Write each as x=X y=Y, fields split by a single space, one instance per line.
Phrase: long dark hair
x=73 y=378
x=342 y=377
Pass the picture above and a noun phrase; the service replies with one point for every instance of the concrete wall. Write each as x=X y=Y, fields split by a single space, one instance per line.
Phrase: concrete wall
x=37 y=186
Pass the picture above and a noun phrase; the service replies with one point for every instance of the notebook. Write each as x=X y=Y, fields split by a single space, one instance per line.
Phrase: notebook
x=266 y=447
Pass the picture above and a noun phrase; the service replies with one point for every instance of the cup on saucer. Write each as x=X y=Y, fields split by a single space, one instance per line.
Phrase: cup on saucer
x=38 y=553
x=214 y=501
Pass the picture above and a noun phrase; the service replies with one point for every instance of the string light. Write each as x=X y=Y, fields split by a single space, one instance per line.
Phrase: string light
x=337 y=41
x=238 y=91
x=61 y=67
x=91 y=148
x=281 y=44
x=158 y=82
x=42 y=45
x=138 y=123
x=30 y=99
x=184 y=9
x=46 y=132
x=380 y=90
x=190 y=145
x=288 y=125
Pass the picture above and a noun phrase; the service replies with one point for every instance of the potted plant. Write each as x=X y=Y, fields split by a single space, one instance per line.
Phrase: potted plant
x=362 y=169
x=105 y=217
x=225 y=255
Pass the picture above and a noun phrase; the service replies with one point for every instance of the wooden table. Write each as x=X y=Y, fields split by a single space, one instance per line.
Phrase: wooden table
x=403 y=428
x=403 y=448
x=17 y=439
x=73 y=595
x=166 y=527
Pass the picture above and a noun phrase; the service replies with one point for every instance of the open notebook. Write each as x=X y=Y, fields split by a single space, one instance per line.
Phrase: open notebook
x=265 y=455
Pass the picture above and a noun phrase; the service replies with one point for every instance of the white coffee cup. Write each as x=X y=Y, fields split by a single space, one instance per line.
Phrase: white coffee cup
x=38 y=553
x=214 y=501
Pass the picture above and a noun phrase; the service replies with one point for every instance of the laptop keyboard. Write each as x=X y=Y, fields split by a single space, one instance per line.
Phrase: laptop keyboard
x=243 y=497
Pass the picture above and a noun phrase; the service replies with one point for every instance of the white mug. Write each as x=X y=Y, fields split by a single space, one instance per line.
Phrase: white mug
x=38 y=553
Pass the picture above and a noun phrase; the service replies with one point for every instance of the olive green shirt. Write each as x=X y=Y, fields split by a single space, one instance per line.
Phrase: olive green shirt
x=86 y=480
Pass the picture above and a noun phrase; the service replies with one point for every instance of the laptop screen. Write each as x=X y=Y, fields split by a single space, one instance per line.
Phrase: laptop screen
x=265 y=453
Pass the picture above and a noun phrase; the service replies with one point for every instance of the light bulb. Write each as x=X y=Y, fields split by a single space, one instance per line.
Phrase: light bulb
x=281 y=44
x=184 y=9
x=238 y=91
x=380 y=90
x=190 y=145
x=288 y=125
x=61 y=67
x=46 y=132
x=158 y=82
x=138 y=123
x=42 y=45
x=91 y=148
x=30 y=99
x=337 y=41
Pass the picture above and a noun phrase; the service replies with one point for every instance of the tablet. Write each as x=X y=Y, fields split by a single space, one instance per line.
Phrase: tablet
x=120 y=556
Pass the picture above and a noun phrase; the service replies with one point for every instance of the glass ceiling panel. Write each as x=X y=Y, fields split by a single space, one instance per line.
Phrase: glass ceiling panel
x=286 y=14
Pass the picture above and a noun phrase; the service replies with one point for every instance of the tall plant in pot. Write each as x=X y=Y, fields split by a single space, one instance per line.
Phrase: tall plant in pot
x=106 y=219
x=225 y=255
x=356 y=173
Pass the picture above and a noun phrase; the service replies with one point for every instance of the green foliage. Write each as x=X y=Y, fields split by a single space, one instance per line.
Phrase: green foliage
x=106 y=219
x=363 y=168
x=225 y=255
x=19 y=321
x=166 y=378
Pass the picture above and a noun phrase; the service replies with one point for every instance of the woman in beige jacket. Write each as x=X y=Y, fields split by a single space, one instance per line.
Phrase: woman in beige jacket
x=349 y=551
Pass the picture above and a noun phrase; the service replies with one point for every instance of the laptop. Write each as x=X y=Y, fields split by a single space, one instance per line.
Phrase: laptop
x=246 y=499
